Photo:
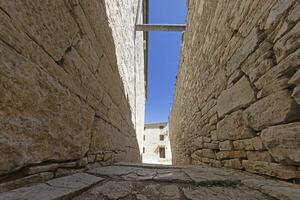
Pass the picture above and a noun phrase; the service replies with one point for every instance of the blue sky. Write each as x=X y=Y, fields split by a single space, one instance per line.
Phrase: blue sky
x=164 y=53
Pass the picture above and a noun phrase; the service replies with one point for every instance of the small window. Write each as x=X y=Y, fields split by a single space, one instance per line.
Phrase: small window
x=144 y=137
x=162 y=152
x=143 y=149
x=161 y=137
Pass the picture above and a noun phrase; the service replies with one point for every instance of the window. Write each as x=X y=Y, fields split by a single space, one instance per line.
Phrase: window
x=143 y=149
x=162 y=152
x=161 y=137
x=144 y=137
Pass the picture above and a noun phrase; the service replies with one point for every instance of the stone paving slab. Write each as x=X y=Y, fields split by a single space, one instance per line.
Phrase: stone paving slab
x=55 y=189
x=136 y=182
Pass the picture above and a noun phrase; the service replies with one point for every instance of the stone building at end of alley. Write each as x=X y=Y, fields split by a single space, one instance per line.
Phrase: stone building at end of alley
x=156 y=144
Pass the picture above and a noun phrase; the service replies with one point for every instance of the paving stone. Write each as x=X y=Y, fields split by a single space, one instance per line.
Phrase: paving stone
x=169 y=175
x=112 y=170
x=219 y=193
x=54 y=189
x=141 y=174
x=113 y=189
x=170 y=192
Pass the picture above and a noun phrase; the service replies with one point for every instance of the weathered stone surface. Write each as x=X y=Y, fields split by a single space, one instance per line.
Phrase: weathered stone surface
x=283 y=142
x=230 y=154
x=238 y=96
x=271 y=169
x=274 y=109
x=236 y=124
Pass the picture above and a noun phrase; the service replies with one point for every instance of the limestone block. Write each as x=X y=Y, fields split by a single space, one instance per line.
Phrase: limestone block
x=275 y=74
x=207 y=153
x=230 y=154
x=273 y=109
x=296 y=78
x=296 y=94
x=246 y=48
x=233 y=127
x=288 y=43
x=259 y=156
x=82 y=162
x=233 y=163
x=238 y=96
x=249 y=144
x=276 y=13
x=226 y=145
x=211 y=145
x=271 y=169
x=283 y=142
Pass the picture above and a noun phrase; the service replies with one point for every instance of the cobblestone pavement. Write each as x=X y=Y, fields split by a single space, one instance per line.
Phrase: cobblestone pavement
x=152 y=182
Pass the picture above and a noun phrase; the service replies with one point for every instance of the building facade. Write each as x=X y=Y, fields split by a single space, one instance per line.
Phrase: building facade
x=156 y=144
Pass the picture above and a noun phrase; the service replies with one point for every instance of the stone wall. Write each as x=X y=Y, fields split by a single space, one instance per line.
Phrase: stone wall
x=123 y=15
x=236 y=102
x=62 y=102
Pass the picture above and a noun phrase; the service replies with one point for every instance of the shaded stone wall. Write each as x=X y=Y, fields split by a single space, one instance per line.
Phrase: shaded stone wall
x=236 y=102
x=62 y=98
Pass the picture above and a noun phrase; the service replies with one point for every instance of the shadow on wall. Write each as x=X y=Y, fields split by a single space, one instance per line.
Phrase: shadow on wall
x=62 y=96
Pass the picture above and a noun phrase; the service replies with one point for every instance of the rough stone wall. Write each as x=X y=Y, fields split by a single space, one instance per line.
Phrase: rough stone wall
x=62 y=98
x=236 y=102
x=123 y=15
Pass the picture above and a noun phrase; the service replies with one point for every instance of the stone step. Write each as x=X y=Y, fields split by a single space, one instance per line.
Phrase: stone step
x=55 y=189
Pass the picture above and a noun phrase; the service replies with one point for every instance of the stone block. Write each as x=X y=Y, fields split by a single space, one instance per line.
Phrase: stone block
x=283 y=142
x=240 y=95
x=245 y=49
x=233 y=127
x=233 y=163
x=288 y=43
x=259 y=156
x=295 y=80
x=271 y=169
x=207 y=153
x=296 y=94
x=226 y=145
x=230 y=154
x=249 y=144
x=82 y=162
x=273 y=109
x=91 y=158
x=211 y=145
